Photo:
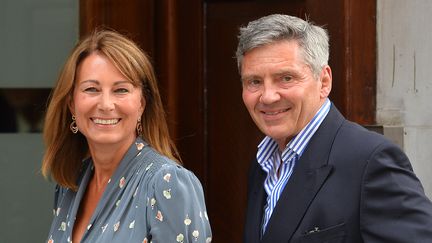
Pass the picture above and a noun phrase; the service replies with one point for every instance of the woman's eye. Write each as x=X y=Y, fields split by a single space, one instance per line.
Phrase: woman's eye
x=121 y=90
x=90 y=89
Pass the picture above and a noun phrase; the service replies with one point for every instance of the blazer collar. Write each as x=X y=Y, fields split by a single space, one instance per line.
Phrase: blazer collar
x=310 y=173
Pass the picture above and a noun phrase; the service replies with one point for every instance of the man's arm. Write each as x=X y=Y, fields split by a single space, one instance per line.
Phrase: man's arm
x=393 y=206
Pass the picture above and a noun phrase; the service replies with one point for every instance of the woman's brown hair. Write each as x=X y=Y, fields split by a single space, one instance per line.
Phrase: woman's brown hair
x=64 y=150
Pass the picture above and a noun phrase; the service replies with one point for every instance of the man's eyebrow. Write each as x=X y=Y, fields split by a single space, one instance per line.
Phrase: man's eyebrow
x=249 y=76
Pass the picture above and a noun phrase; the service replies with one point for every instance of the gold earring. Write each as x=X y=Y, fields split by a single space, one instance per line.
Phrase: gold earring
x=139 y=126
x=73 y=126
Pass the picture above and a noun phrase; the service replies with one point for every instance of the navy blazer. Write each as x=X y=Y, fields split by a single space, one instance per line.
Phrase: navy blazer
x=350 y=185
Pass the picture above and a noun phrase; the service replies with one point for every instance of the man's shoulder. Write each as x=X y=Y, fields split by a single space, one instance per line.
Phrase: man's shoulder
x=355 y=142
x=360 y=134
x=352 y=132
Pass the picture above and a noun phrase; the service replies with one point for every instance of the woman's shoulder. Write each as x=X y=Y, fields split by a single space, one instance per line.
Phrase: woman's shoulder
x=153 y=161
x=157 y=165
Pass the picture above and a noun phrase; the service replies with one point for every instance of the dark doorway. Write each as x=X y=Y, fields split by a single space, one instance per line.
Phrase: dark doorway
x=192 y=46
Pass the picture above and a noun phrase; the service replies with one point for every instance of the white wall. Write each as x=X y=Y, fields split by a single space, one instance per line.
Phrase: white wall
x=35 y=38
x=404 y=85
x=26 y=198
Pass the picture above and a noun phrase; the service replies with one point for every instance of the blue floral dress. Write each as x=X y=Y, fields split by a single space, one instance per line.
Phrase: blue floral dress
x=149 y=198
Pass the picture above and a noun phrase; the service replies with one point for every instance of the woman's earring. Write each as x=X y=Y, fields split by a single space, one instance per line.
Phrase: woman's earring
x=73 y=126
x=139 y=127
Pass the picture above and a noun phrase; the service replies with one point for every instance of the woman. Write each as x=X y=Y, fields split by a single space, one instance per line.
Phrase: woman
x=108 y=149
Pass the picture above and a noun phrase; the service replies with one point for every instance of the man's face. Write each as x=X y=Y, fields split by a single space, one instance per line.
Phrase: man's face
x=280 y=91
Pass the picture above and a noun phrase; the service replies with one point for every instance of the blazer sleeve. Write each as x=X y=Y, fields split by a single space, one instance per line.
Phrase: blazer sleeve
x=394 y=207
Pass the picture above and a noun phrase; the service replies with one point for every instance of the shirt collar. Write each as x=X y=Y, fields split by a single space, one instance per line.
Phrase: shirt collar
x=297 y=145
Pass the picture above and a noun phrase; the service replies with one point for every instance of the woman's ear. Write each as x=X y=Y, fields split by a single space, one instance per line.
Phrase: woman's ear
x=326 y=81
x=71 y=105
x=143 y=105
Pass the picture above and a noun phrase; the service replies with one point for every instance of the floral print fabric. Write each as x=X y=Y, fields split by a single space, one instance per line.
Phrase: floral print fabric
x=148 y=199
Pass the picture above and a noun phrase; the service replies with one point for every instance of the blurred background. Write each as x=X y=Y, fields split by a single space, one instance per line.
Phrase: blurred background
x=379 y=55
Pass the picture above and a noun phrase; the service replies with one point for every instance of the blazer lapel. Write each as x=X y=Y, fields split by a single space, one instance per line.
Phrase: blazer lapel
x=256 y=202
x=310 y=173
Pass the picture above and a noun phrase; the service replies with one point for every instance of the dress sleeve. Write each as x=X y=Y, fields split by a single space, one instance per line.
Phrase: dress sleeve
x=176 y=207
x=394 y=207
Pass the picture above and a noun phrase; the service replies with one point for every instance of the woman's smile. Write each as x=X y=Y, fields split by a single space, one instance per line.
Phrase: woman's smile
x=102 y=121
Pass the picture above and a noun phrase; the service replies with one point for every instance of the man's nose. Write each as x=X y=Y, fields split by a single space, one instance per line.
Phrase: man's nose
x=270 y=94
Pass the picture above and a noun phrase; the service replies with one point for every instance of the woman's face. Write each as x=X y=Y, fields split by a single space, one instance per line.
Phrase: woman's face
x=106 y=105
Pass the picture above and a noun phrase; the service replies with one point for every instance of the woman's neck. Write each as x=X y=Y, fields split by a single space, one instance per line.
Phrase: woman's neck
x=106 y=159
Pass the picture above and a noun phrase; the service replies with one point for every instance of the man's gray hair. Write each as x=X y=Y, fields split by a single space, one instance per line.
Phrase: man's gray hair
x=312 y=40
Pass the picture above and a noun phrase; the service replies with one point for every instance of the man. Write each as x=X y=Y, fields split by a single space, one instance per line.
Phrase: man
x=318 y=177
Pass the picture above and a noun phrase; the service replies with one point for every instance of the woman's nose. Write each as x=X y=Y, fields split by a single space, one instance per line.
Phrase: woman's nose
x=106 y=102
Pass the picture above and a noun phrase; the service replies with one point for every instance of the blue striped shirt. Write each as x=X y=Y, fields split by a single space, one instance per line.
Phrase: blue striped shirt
x=269 y=158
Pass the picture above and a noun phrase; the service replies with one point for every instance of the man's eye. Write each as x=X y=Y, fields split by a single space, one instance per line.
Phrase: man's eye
x=286 y=78
x=252 y=84
x=255 y=82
